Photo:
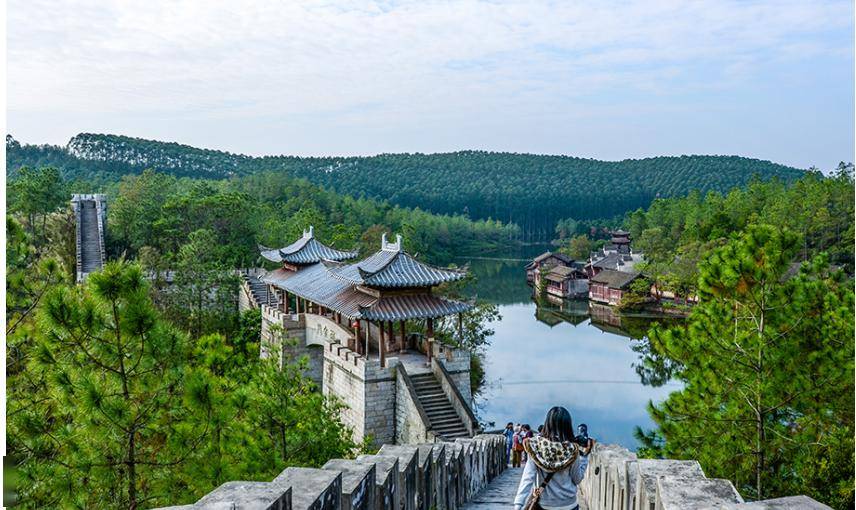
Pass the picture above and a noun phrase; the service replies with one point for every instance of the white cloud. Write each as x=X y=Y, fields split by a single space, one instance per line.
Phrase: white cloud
x=377 y=63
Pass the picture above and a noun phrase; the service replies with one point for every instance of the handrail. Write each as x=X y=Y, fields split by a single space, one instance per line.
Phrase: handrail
x=456 y=394
x=415 y=398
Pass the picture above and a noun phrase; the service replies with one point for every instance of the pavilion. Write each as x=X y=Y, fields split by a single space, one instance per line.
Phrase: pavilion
x=368 y=297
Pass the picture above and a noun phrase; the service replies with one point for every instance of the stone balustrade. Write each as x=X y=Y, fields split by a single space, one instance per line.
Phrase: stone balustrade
x=617 y=480
x=441 y=476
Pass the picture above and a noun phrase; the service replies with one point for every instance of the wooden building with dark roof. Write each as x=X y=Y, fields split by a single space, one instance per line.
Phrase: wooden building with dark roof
x=609 y=286
x=368 y=296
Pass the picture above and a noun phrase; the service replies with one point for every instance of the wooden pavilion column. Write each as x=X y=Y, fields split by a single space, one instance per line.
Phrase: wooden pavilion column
x=461 y=326
x=430 y=348
x=356 y=346
x=368 y=335
x=401 y=346
x=382 y=345
x=286 y=307
x=391 y=336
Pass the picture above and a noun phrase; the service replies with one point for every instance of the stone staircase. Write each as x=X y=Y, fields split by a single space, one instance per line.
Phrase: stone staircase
x=89 y=238
x=445 y=421
x=257 y=288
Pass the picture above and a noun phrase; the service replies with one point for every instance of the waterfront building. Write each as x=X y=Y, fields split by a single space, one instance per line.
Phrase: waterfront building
x=367 y=332
x=609 y=286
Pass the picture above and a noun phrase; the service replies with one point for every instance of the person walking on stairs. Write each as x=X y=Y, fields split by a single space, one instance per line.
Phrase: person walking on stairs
x=555 y=467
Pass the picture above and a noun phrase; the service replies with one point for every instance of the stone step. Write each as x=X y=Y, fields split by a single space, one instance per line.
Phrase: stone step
x=431 y=396
x=445 y=415
x=427 y=386
x=438 y=407
x=447 y=423
x=434 y=404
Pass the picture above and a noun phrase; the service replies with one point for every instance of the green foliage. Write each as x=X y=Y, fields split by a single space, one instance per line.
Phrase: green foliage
x=110 y=418
x=566 y=228
x=578 y=248
x=205 y=289
x=767 y=365
x=477 y=184
x=636 y=295
x=34 y=194
x=675 y=233
x=108 y=405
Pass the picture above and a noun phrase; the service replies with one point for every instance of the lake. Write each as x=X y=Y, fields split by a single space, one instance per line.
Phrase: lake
x=568 y=353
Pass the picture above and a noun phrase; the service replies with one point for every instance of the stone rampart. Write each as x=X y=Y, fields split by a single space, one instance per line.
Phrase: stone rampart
x=367 y=389
x=400 y=477
x=617 y=480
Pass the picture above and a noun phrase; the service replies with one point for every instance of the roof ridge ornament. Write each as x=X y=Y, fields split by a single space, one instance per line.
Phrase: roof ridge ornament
x=387 y=246
x=309 y=233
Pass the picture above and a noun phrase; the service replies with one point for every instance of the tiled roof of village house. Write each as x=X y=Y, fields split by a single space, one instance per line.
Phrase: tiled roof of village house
x=560 y=273
x=306 y=250
x=614 y=279
x=611 y=261
x=392 y=268
x=547 y=254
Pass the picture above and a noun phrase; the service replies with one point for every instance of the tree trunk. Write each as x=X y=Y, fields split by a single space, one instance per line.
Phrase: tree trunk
x=132 y=472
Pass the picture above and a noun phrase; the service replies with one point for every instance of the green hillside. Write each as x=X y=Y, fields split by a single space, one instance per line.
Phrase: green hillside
x=533 y=191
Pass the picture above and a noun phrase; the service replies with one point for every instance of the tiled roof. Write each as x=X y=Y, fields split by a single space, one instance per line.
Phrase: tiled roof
x=412 y=306
x=611 y=261
x=306 y=250
x=560 y=273
x=318 y=284
x=547 y=254
x=392 y=268
x=614 y=279
x=315 y=284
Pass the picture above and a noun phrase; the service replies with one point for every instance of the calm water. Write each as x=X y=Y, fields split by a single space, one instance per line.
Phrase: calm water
x=565 y=354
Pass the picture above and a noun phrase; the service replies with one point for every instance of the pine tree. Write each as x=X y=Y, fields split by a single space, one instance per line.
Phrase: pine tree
x=765 y=358
x=114 y=420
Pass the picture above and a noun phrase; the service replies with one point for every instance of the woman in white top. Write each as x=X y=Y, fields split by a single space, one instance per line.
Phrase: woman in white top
x=554 y=451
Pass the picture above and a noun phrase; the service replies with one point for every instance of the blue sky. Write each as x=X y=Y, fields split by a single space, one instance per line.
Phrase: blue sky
x=608 y=80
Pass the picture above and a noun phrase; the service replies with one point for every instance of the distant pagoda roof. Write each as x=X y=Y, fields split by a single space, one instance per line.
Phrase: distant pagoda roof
x=306 y=250
x=393 y=268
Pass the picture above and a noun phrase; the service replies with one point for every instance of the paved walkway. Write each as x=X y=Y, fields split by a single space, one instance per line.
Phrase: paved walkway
x=499 y=493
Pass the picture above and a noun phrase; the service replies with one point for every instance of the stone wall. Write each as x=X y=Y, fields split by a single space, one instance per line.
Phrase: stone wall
x=411 y=477
x=457 y=364
x=277 y=325
x=376 y=399
x=411 y=426
x=452 y=388
x=366 y=388
x=617 y=480
x=246 y=300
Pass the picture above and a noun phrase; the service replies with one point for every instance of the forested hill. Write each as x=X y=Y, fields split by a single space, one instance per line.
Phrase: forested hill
x=534 y=191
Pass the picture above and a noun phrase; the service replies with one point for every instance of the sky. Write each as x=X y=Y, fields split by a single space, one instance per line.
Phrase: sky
x=770 y=79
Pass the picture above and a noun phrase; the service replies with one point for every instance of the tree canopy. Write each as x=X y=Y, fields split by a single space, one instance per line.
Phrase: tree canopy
x=510 y=187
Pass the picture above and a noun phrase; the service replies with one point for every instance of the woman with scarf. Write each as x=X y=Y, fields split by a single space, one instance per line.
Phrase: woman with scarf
x=555 y=466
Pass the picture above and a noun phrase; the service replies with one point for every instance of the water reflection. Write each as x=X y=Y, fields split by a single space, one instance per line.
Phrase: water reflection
x=567 y=353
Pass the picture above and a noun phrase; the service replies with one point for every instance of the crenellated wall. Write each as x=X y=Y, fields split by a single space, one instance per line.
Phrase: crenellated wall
x=617 y=480
x=379 y=402
x=367 y=389
x=400 y=477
